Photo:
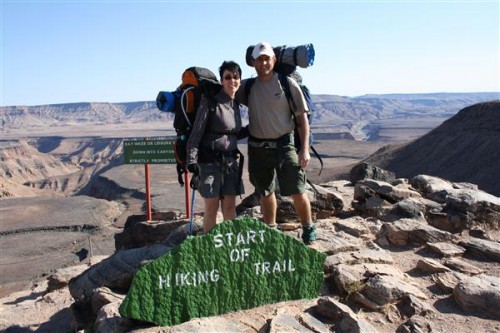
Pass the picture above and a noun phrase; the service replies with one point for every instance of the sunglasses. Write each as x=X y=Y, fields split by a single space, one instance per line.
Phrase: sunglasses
x=229 y=77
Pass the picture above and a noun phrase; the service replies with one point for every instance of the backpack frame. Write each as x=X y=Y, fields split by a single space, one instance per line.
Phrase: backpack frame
x=184 y=103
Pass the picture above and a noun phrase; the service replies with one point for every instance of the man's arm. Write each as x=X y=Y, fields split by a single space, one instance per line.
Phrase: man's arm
x=303 y=126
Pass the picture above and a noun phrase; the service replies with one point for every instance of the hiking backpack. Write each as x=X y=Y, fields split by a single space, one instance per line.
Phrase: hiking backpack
x=284 y=71
x=184 y=103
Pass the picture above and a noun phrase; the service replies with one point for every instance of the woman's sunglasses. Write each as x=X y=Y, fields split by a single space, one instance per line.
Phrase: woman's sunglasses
x=229 y=77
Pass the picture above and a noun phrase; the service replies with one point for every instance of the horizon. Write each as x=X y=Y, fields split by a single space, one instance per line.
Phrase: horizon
x=352 y=97
x=84 y=51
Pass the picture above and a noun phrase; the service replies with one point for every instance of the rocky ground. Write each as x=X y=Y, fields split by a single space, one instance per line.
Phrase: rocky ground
x=388 y=270
x=403 y=255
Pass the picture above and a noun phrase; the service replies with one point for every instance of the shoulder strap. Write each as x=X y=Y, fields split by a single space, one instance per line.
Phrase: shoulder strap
x=248 y=86
x=211 y=105
x=286 y=87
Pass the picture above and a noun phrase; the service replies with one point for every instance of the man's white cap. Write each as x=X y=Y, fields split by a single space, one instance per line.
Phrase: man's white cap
x=262 y=48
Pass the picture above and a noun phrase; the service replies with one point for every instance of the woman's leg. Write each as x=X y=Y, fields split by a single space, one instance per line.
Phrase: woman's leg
x=210 y=216
x=228 y=204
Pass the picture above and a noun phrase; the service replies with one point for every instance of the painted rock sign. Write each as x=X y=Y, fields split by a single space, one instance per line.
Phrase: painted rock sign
x=239 y=264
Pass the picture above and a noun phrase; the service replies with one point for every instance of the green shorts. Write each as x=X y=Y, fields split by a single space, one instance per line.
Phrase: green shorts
x=282 y=161
x=215 y=183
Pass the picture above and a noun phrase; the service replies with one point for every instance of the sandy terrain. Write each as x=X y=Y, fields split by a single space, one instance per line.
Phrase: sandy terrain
x=38 y=235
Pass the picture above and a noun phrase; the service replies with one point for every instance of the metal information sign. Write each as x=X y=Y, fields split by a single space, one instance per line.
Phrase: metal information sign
x=157 y=151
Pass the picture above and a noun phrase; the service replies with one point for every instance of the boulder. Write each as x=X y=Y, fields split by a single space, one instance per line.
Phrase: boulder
x=368 y=171
x=479 y=295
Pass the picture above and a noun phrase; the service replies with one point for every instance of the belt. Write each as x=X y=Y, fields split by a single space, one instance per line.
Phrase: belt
x=270 y=143
x=263 y=144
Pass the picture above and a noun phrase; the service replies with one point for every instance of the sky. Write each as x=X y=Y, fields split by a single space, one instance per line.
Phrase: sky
x=125 y=51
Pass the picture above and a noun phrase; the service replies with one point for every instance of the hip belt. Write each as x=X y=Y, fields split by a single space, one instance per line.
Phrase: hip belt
x=282 y=141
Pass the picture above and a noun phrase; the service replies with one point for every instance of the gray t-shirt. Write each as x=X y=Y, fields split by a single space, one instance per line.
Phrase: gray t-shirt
x=268 y=108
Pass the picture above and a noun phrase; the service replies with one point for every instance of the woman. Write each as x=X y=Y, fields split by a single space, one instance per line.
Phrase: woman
x=212 y=154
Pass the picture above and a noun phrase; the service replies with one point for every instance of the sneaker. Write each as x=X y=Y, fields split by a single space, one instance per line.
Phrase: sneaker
x=308 y=235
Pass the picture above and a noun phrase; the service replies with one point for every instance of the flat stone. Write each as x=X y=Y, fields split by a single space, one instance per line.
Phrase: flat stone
x=285 y=322
x=407 y=231
x=351 y=278
x=448 y=281
x=346 y=320
x=479 y=294
x=312 y=323
x=483 y=247
x=338 y=242
x=463 y=267
x=354 y=226
x=374 y=255
x=446 y=249
x=384 y=289
x=431 y=266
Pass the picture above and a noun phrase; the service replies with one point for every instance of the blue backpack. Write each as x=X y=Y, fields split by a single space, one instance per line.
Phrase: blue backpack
x=283 y=78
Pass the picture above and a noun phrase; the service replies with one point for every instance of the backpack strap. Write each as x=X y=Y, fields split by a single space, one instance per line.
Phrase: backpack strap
x=248 y=86
x=286 y=87
x=285 y=84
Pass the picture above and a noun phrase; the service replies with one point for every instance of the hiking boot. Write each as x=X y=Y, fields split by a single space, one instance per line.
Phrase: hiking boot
x=308 y=235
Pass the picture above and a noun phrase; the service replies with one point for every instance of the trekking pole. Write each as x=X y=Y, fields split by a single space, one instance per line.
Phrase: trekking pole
x=192 y=212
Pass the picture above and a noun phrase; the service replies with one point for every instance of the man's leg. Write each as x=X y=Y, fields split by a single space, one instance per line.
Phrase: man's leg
x=303 y=208
x=268 y=207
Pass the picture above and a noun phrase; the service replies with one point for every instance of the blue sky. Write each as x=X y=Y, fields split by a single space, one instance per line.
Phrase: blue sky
x=124 y=51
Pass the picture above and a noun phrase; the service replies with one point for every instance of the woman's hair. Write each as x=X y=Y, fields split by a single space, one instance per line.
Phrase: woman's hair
x=230 y=66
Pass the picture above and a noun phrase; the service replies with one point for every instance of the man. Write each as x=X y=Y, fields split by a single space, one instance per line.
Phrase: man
x=271 y=149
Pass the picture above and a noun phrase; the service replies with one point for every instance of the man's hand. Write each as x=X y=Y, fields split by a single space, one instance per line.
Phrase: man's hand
x=304 y=157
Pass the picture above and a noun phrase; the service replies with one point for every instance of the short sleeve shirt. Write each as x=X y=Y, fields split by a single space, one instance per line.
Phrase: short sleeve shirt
x=269 y=111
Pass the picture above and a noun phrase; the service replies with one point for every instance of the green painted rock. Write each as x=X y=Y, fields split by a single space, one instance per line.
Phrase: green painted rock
x=239 y=264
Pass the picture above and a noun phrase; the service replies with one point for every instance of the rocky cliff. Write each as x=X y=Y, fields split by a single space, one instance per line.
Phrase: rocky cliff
x=465 y=148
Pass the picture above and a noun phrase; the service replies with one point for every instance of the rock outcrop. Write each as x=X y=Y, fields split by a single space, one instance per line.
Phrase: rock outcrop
x=456 y=150
x=363 y=269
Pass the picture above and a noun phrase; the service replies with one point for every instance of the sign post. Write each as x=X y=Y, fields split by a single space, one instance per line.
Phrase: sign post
x=153 y=151
x=148 y=192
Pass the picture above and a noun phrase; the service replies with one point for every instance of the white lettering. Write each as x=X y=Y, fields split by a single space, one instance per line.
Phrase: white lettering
x=234 y=255
x=239 y=254
x=229 y=236
x=202 y=277
x=242 y=238
x=273 y=268
x=290 y=266
x=218 y=240
x=262 y=235
x=165 y=281
x=251 y=237
x=184 y=279
x=265 y=267
x=214 y=275
x=191 y=278
x=277 y=267
x=245 y=253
